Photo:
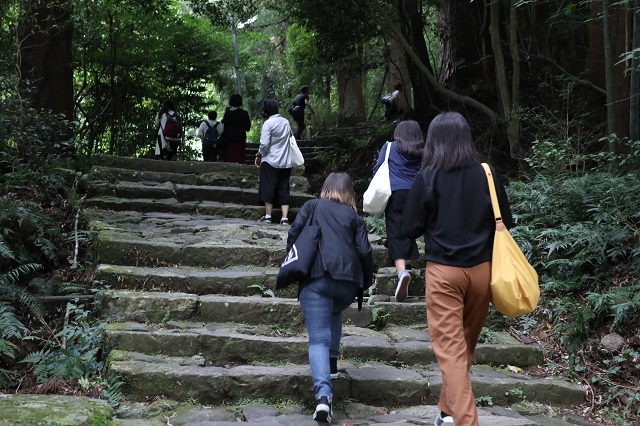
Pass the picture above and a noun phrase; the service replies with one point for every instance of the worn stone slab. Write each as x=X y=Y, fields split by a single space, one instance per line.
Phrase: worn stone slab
x=387 y=385
x=179 y=167
x=21 y=409
x=235 y=281
x=142 y=306
x=169 y=239
x=506 y=388
x=151 y=307
x=221 y=344
x=182 y=192
x=386 y=282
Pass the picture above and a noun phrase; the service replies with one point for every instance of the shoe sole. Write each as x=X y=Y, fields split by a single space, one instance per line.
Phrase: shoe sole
x=321 y=415
x=402 y=289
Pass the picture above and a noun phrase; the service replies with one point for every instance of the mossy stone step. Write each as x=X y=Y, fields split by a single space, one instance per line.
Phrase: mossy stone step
x=234 y=281
x=161 y=239
x=224 y=343
x=178 y=167
x=158 y=307
x=243 y=178
x=183 y=378
x=184 y=193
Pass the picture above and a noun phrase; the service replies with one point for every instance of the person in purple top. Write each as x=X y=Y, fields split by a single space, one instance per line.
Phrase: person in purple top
x=404 y=164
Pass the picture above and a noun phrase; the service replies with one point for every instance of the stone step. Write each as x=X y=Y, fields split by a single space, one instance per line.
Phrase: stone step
x=234 y=281
x=171 y=206
x=242 y=178
x=184 y=193
x=157 y=307
x=79 y=410
x=223 y=344
x=200 y=169
x=183 y=378
x=158 y=239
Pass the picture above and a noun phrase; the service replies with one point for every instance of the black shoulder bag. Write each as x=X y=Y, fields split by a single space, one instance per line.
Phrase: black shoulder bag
x=299 y=261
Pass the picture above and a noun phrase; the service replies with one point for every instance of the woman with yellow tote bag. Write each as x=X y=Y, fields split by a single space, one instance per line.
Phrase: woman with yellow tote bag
x=450 y=206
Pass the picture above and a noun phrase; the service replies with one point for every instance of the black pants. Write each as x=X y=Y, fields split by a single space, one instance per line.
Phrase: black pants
x=210 y=153
x=299 y=119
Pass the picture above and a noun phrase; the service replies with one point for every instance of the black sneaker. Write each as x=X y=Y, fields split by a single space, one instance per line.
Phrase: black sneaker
x=284 y=222
x=264 y=219
x=333 y=367
x=323 y=410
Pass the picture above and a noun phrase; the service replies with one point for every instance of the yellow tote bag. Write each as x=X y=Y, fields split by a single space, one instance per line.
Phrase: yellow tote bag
x=514 y=282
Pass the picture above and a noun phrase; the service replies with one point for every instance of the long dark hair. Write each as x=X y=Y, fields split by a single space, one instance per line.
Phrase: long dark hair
x=409 y=139
x=449 y=143
x=338 y=186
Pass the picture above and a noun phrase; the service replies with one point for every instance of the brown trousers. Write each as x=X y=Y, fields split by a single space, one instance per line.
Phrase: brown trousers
x=457 y=306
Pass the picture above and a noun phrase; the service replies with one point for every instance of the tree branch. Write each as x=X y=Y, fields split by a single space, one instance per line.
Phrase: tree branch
x=439 y=88
x=580 y=81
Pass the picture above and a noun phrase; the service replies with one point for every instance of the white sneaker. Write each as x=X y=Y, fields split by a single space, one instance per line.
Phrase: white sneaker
x=324 y=411
x=402 y=290
x=446 y=421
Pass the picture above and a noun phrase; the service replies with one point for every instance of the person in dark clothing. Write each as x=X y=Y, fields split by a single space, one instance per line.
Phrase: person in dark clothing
x=236 y=123
x=343 y=269
x=449 y=204
x=404 y=164
x=298 y=107
x=392 y=107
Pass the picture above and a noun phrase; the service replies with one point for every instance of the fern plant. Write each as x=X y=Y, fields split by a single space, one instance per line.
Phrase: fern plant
x=580 y=231
x=74 y=353
x=11 y=330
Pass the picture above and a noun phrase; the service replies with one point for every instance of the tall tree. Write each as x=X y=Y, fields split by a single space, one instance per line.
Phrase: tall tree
x=45 y=37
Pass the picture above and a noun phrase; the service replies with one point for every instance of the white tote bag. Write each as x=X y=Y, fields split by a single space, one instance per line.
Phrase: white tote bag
x=375 y=198
x=296 y=155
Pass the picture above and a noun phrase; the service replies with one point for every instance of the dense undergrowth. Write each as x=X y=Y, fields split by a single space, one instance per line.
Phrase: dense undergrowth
x=577 y=220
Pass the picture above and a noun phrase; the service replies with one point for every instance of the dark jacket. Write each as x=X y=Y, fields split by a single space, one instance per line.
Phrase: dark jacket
x=452 y=209
x=236 y=125
x=402 y=170
x=344 y=252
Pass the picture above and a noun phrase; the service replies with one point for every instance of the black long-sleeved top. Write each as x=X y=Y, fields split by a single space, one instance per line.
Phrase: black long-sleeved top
x=452 y=209
x=236 y=125
x=344 y=251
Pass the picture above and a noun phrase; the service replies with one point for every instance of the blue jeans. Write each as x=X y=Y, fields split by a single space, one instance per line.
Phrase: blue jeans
x=322 y=301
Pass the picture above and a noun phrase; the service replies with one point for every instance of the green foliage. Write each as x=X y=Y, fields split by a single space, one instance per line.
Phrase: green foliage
x=263 y=290
x=30 y=231
x=74 y=353
x=11 y=331
x=484 y=401
x=581 y=233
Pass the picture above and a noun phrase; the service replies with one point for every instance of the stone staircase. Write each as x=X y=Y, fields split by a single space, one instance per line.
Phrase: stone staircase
x=194 y=315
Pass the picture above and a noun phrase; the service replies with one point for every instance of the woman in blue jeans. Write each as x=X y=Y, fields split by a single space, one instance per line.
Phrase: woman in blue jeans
x=342 y=270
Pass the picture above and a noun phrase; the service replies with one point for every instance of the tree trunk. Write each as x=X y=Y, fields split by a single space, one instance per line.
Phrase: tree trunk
x=460 y=34
x=412 y=27
x=634 y=85
x=608 y=76
x=595 y=71
x=398 y=73
x=350 y=96
x=509 y=97
x=45 y=37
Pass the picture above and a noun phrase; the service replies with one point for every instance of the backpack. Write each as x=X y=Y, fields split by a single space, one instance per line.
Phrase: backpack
x=387 y=99
x=295 y=106
x=172 y=130
x=211 y=136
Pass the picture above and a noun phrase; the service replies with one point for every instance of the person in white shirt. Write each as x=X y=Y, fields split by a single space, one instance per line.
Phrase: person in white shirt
x=274 y=161
x=211 y=149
